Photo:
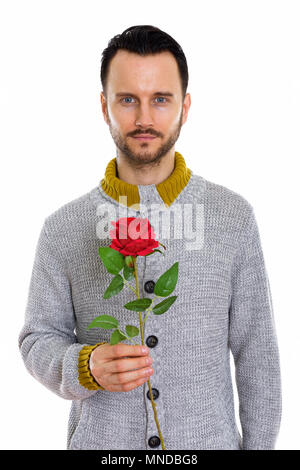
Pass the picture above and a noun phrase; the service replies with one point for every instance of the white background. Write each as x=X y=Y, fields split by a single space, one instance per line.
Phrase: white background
x=242 y=132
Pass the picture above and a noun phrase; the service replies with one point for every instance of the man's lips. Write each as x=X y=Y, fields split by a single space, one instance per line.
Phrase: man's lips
x=144 y=137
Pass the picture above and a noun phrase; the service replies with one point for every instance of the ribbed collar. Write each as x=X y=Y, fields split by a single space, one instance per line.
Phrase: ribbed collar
x=168 y=189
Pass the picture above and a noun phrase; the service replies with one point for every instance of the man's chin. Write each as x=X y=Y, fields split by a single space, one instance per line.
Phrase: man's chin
x=143 y=157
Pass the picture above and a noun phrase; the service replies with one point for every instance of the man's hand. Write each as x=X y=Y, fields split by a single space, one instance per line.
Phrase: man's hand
x=113 y=369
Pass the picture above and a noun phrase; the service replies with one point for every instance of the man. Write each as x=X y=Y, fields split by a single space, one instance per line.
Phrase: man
x=223 y=296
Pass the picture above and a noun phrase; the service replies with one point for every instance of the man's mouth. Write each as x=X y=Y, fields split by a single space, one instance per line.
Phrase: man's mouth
x=144 y=137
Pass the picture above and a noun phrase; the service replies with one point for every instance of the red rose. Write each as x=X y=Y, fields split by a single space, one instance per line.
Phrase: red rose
x=133 y=236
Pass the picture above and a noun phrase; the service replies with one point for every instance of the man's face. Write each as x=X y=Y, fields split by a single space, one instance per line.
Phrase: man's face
x=134 y=107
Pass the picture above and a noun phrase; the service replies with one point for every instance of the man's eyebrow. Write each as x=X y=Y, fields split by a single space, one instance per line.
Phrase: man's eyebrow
x=157 y=93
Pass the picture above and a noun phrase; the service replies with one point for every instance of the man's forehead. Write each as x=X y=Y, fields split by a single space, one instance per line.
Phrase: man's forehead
x=149 y=65
x=136 y=78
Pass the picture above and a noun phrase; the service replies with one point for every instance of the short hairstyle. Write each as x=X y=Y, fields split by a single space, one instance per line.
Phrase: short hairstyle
x=144 y=40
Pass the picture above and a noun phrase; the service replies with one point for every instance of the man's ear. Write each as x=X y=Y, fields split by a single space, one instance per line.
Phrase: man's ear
x=104 y=106
x=186 y=107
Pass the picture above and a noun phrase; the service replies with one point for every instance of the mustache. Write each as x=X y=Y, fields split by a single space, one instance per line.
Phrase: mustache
x=144 y=132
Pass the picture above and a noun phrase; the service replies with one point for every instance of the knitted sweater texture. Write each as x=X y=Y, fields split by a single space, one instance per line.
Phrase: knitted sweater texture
x=223 y=306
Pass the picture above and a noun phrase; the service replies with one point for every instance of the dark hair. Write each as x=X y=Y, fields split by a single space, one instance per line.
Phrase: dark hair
x=144 y=40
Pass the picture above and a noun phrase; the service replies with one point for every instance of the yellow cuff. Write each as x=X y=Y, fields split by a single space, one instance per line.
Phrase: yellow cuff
x=84 y=374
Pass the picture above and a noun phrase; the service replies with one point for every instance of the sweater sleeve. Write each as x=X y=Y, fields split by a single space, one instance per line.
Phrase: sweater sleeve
x=47 y=341
x=253 y=342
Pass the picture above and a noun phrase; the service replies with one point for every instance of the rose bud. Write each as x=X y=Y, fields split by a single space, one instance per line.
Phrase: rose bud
x=129 y=261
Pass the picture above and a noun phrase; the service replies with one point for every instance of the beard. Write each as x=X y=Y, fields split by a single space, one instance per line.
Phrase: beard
x=139 y=159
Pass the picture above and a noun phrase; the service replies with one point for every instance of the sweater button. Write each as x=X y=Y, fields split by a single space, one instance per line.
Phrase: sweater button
x=154 y=441
x=149 y=286
x=155 y=394
x=152 y=341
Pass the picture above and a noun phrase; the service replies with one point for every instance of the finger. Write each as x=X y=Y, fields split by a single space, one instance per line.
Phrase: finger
x=124 y=365
x=125 y=350
x=125 y=377
x=107 y=352
x=127 y=386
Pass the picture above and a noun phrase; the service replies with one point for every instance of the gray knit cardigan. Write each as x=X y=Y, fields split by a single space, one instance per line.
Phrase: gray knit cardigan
x=223 y=304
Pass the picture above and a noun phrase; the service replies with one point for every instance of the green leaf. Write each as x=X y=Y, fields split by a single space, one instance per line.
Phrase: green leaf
x=128 y=273
x=104 y=321
x=113 y=260
x=167 y=281
x=163 y=306
x=116 y=337
x=114 y=287
x=131 y=330
x=138 y=305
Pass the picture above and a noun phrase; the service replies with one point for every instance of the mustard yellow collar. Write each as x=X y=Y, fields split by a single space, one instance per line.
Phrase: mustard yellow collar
x=168 y=189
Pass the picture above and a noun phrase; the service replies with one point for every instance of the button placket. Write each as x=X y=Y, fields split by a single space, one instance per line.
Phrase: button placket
x=151 y=272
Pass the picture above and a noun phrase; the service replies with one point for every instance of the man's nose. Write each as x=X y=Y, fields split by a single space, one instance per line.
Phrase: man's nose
x=144 y=116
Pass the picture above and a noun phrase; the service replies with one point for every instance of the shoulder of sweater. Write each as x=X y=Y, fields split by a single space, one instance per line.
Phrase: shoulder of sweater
x=227 y=197
x=70 y=213
x=230 y=207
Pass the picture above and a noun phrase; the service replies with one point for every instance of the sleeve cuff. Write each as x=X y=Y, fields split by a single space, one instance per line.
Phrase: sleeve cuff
x=84 y=374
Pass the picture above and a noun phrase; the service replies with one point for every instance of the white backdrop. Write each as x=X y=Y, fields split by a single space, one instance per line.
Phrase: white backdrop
x=242 y=132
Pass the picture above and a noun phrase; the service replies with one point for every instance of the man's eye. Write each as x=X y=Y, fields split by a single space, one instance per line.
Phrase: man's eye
x=127 y=98
x=160 y=98
x=130 y=98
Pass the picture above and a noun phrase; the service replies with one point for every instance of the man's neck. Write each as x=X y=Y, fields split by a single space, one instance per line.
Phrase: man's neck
x=154 y=173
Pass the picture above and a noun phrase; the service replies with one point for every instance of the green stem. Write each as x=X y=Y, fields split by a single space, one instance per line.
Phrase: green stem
x=128 y=285
x=122 y=332
x=142 y=337
x=149 y=308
